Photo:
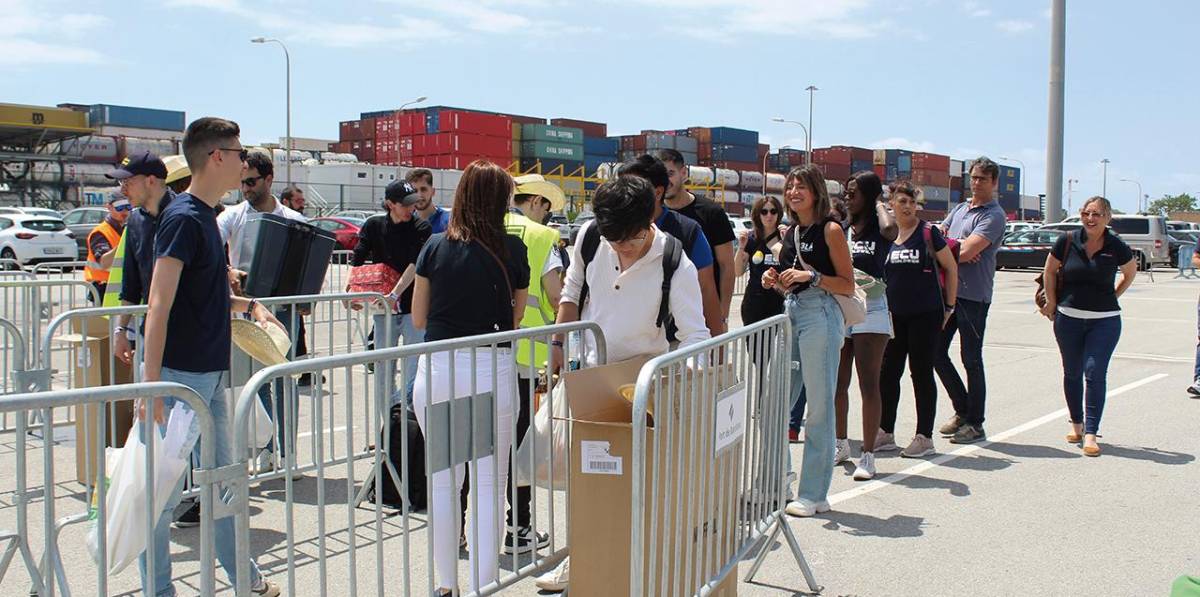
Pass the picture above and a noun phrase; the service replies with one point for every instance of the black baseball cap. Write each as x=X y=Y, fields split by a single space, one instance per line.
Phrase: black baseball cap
x=399 y=191
x=139 y=163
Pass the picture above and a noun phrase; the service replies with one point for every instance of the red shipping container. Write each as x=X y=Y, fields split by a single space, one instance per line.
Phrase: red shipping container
x=458 y=143
x=857 y=154
x=351 y=130
x=368 y=129
x=956 y=182
x=835 y=172
x=490 y=125
x=740 y=166
x=763 y=150
x=704 y=153
x=590 y=129
x=881 y=171
x=839 y=156
x=931 y=161
x=933 y=178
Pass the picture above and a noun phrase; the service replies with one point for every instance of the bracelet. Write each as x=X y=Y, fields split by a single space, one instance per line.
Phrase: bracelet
x=250 y=306
x=556 y=343
x=816 y=279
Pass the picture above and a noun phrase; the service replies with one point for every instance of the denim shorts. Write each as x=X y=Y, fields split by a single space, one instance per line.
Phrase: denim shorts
x=879 y=319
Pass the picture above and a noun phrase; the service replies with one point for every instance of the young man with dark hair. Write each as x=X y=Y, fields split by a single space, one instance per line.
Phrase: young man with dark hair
x=688 y=232
x=187 y=327
x=712 y=219
x=978 y=225
x=617 y=288
x=293 y=198
x=421 y=179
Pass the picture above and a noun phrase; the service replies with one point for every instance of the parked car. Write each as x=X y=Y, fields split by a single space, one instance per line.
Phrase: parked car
x=1027 y=248
x=1012 y=227
x=81 y=221
x=356 y=214
x=344 y=228
x=31 y=240
x=1146 y=235
x=1181 y=225
x=42 y=212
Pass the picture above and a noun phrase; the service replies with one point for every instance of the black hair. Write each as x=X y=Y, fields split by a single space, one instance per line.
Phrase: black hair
x=670 y=155
x=623 y=207
x=868 y=186
x=203 y=136
x=260 y=160
x=648 y=167
x=287 y=193
x=989 y=167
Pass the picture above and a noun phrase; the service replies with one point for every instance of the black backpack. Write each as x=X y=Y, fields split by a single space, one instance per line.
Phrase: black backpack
x=671 y=257
x=414 y=452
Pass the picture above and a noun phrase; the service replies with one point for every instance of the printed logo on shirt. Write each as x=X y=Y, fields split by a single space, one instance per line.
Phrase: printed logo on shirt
x=862 y=247
x=905 y=256
x=759 y=258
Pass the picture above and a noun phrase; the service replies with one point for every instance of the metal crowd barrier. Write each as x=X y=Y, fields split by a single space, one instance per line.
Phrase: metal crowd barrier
x=739 y=284
x=709 y=479
x=62 y=270
x=34 y=494
x=324 y=551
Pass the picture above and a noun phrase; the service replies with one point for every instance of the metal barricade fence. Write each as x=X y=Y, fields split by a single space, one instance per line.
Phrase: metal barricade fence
x=36 y=492
x=709 y=480
x=63 y=270
x=475 y=423
x=739 y=284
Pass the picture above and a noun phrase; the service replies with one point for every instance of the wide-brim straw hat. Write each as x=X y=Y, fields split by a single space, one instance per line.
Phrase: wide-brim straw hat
x=267 y=343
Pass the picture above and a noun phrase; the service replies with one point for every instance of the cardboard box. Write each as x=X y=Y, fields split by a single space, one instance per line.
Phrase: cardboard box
x=601 y=486
x=90 y=350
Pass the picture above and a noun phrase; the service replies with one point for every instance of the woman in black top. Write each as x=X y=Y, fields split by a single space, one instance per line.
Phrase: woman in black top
x=818 y=266
x=472 y=279
x=869 y=232
x=1085 y=312
x=760 y=250
x=921 y=304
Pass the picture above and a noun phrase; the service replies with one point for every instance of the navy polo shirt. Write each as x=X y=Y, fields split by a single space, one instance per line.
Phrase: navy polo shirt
x=198 y=333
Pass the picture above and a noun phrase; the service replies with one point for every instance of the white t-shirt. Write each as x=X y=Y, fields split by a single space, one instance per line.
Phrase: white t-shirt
x=232 y=222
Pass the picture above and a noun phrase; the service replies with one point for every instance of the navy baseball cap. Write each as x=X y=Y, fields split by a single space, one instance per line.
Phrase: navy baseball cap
x=139 y=163
x=399 y=191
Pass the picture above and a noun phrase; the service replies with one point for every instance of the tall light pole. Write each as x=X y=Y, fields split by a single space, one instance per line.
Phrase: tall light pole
x=807 y=137
x=1070 y=189
x=764 y=165
x=1104 y=188
x=810 y=89
x=1024 y=172
x=397 y=124
x=287 y=59
x=1139 y=195
x=1056 y=100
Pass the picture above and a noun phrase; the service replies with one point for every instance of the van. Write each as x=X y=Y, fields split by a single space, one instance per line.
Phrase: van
x=1146 y=235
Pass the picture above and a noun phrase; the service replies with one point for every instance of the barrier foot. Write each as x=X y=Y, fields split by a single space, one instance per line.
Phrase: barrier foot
x=18 y=543
x=780 y=526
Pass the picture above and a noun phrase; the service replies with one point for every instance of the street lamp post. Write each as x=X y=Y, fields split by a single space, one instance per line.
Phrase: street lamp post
x=397 y=125
x=1024 y=172
x=1139 y=195
x=810 y=89
x=287 y=59
x=1070 y=189
x=1104 y=189
x=807 y=137
x=764 y=166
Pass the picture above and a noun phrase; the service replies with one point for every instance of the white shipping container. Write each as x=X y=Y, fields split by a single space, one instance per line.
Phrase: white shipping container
x=128 y=131
x=750 y=198
x=700 y=175
x=159 y=147
x=1032 y=202
x=776 y=182
x=726 y=196
x=92 y=148
x=751 y=181
x=936 y=194
x=71 y=173
x=956 y=167
x=728 y=178
x=307 y=144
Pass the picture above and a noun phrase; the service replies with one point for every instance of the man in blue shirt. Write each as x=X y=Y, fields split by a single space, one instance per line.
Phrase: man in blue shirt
x=421 y=179
x=187 y=327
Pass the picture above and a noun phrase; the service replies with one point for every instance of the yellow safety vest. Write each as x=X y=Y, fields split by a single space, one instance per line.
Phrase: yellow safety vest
x=93 y=271
x=112 y=292
x=538 y=241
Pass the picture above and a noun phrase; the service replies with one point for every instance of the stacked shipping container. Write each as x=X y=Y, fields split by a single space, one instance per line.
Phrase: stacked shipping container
x=437 y=137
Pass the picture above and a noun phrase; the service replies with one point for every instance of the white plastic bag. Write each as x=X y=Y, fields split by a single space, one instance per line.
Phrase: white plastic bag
x=125 y=502
x=262 y=428
x=550 y=430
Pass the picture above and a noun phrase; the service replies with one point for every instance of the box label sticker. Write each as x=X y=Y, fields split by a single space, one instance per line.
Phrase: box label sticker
x=596 y=459
x=83 y=358
x=730 y=418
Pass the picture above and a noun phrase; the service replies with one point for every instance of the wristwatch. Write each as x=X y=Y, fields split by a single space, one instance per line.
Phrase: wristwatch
x=816 y=279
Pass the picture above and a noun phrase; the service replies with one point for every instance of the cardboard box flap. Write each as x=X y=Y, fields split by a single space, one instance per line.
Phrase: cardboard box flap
x=86 y=328
x=593 y=396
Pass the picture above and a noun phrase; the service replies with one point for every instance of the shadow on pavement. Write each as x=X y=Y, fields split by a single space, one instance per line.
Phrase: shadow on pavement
x=861 y=525
x=1032 y=451
x=1148 y=454
x=955 y=488
x=979 y=463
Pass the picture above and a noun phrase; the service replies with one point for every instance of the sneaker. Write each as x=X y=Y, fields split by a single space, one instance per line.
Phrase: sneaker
x=842 y=453
x=555 y=580
x=866 y=467
x=525 y=540
x=1194 y=389
x=885 y=442
x=265 y=588
x=919 y=447
x=793 y=436
x=952 y=426
x=306 y=380
x=968 y=434
x=190 y=518
x=803 y=508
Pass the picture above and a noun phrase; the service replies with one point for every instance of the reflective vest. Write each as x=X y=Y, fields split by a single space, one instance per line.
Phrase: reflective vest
x=93 y=271
x=539 y=311
x=112 y=292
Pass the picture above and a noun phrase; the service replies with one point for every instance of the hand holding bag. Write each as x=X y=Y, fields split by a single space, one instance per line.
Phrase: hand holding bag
x=373 y=277
x=854 y=306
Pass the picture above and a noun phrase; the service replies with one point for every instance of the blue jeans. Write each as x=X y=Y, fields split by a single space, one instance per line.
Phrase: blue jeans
x=402 y=328
x=1087 y=346
x=969 y=321
x=211 y=387
x=798 y=410
x=818 y=331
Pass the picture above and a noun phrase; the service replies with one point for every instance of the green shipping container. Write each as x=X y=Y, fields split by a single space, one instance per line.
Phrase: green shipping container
x=551 y=151
x=563 y=135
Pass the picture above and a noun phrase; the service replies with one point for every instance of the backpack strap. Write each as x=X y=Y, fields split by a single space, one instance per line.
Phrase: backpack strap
x=587 y=252
x=672 y=254
x=927 y=232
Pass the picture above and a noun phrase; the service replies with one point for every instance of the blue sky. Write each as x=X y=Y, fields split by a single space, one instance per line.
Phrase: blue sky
x=951 y=76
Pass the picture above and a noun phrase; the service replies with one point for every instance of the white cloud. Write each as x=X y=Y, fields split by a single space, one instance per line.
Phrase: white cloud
x=1013 y=27
x=17 y=52
x=716 y=20
x=903 y=143
x=40 y=35
x=974 y=10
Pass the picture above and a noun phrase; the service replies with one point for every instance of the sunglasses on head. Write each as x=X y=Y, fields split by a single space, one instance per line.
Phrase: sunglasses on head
x=242 y=153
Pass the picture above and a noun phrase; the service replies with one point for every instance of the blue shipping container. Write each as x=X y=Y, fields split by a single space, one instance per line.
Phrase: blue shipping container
x=723 y=135
x=858 y=165
x=904 y=162
x=601 y=146
x=140 y=118
x=734 y=153
x=956 y=196
x=892 y=156
x=592 y=162
x=1010 y=202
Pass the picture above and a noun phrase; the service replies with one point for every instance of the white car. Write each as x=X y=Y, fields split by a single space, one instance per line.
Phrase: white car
x=42 y=212
x=34 y=239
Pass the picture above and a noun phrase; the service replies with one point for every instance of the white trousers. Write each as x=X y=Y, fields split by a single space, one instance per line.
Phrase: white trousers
x=487 y=484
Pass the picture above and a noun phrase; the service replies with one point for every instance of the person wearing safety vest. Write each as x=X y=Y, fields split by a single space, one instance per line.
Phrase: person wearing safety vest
x=533 y=202
x=102 y=241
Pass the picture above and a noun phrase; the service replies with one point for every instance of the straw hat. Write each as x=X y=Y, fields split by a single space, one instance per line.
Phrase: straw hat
x=267 y=343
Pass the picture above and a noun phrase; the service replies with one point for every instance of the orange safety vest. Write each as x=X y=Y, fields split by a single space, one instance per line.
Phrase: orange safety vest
x=93 y=271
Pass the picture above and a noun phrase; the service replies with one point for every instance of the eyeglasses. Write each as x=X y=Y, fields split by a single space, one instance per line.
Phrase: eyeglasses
x=769 y=212
x=975 y=177
x=1091 y=214
x=242 y=153
x=249 y=182
x=629 y=243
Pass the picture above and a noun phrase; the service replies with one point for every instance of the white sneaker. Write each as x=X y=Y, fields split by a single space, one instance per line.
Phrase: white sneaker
x=885 y=442
x=842 y=452
x=866 y=467
x=265 y=463
x=555 y=580
x=803 y=508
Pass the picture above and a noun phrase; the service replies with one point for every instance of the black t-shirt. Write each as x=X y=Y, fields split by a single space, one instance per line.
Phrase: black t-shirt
x=760 y=259
x=715 y=223
x=869 y=250
x=198 y=326
x=813 y=247
x=380 y=240
x=912 y=283
x=1090 y=284
x=467 y=293
x=139 y=252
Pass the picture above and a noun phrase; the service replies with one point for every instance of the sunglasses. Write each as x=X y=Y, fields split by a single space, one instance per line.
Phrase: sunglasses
x=1091 y=214
x=249 y=182
x=122 y=207
x=769 y=212
x=242 y=153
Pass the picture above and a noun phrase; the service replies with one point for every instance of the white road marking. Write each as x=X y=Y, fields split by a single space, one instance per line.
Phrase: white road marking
x=1035 y=313
x=894 y=478
x=1139 y=356
x=334 y=430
